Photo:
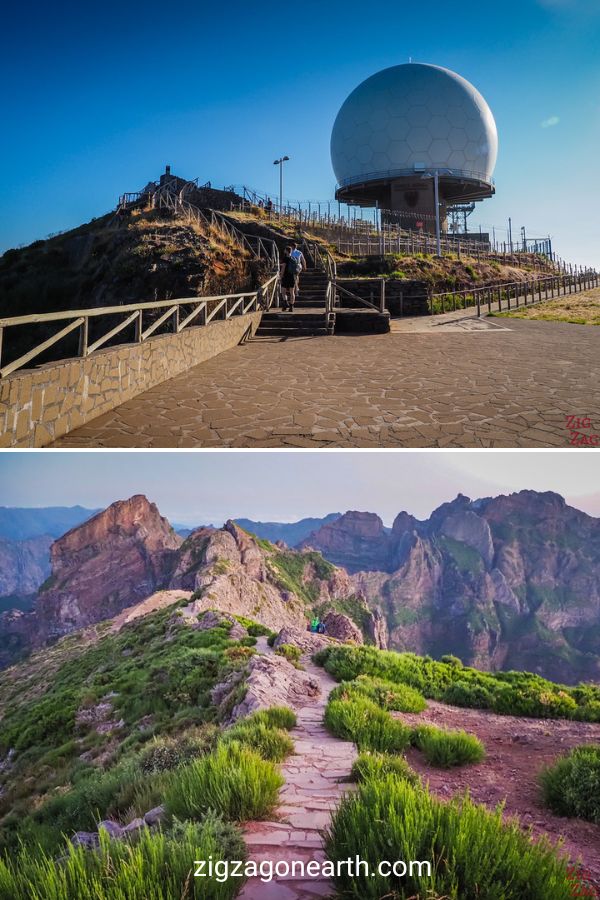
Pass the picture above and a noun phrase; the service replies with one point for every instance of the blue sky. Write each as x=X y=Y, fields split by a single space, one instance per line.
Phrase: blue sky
x=96 y=99
x=208 y=487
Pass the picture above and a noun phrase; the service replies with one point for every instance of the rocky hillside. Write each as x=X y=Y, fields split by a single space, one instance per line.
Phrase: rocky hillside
x=505 y=582
x=142 y=256
x=127 y=552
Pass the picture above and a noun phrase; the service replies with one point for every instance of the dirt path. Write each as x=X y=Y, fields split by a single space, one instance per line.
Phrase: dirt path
x=517 y=749
x=312 y=790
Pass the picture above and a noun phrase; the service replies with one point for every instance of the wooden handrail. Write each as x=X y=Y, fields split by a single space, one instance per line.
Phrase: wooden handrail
x=242 y=303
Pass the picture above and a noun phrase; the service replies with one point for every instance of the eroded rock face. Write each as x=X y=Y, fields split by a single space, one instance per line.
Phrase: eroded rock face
x=342 y=628
x=273 y=681
x=356 y=541
x=118 y=557
x=501 y=582
x=307 y=641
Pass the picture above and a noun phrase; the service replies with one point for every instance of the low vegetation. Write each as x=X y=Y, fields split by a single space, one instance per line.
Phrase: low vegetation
x=234 y=780
x=158 y=866
x=271 y=743
x=385 y=694
x=111 y=730
x=445 y=749
x=473 y=852
x=378 y=765
x=571 y=786
x=291 y=653
x=509 y=693
x=578 y=309
x=362 y=721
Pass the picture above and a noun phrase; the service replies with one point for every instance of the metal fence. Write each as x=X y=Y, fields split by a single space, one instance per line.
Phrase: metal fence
x=511 y=295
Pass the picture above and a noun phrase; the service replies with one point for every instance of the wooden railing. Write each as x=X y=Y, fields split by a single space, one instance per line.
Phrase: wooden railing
x=203 y=310
x=510 y=295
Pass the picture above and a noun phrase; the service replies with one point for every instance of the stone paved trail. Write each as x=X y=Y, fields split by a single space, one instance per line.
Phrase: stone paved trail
x=312 y=790
x=493 y=386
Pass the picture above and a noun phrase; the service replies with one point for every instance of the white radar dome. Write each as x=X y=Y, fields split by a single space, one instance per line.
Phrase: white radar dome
x=414 y=118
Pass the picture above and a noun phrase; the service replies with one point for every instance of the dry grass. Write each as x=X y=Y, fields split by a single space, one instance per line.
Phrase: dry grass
x=579 y=309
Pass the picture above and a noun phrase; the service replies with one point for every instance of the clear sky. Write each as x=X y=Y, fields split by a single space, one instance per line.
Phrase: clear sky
x=97 y=98
x=196 y=488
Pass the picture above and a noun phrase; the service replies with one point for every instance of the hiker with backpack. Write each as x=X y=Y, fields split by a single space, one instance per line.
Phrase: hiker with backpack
x=298 y=255
x=288 y=272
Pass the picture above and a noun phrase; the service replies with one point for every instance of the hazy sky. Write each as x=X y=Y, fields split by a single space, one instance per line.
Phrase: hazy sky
x=97 y=98
x=208 y=487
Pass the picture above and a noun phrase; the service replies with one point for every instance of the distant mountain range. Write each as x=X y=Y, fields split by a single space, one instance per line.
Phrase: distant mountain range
x=502 y=582
x=20 y=524
x=291 y=533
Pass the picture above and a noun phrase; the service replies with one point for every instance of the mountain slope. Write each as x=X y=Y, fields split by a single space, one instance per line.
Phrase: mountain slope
x=128 y=551
x=505 y=582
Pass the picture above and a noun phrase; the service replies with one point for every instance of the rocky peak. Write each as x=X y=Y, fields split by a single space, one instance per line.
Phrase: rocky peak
x=116 y=558
x=357 y=540
x=458 y=505
x=136 y=518
x=404 y=523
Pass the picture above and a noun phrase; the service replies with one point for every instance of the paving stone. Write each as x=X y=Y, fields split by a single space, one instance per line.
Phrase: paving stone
x=489 y=384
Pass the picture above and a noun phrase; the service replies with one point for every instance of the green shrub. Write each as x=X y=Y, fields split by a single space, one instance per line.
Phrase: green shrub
x=233 y=780
x=571 y=786
x=165 y=753
x=271 y=639
x=271 y=743
x=451 y=660
x=157 y=866
x=290 y=652
x=362 y=721
x=276 y=717
x=473 y=696
x=473 y=853
x=511 y=693
x=398 y=697
x=378 y=765
x=447 y=748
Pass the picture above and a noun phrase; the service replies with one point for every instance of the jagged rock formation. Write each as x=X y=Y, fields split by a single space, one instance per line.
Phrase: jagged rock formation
x=505 y=582
x=118 y=557
x=342 y=628
x=126 y=553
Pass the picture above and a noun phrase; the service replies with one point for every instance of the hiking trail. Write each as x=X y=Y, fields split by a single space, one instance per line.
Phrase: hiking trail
x=315 y=779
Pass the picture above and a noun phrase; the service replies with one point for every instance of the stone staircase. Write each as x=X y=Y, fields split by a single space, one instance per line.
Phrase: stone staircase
x=310 y=316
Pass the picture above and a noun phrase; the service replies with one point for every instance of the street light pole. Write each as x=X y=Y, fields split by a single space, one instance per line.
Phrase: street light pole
x=279 y=162
x=436 y=192
x=436 y=200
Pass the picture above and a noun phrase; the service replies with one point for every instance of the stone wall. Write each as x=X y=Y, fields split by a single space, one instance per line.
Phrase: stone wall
x=37 y=406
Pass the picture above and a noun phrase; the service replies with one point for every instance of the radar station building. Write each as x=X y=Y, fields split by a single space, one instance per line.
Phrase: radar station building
x=405 y=128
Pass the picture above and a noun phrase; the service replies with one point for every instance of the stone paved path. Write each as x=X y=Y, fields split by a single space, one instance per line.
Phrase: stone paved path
x=449 y=387
x=312 y=789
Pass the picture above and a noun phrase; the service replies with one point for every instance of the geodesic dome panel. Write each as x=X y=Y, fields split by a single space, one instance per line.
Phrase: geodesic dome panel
x=413 y=117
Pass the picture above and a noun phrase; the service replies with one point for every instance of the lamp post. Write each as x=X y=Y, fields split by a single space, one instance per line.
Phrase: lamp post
x=279 y=162
x=436 y=200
